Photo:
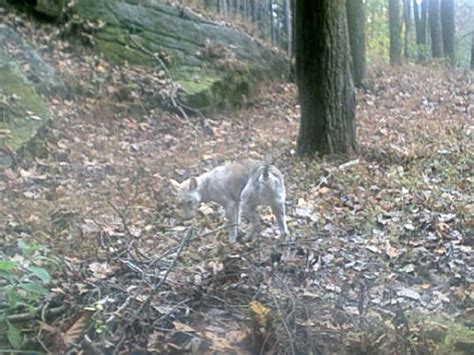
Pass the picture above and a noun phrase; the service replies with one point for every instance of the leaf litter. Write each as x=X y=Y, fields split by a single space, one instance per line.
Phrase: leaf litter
x=377 y=237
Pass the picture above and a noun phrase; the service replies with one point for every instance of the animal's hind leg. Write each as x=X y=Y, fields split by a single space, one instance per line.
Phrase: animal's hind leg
x=232 y=213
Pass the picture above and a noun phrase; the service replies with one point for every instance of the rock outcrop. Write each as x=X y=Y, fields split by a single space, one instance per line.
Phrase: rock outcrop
x=214 y=64
x=24 y=78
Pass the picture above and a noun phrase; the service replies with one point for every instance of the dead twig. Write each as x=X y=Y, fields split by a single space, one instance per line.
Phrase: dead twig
x=285 y=325
x=155 y=288
x=22 y=317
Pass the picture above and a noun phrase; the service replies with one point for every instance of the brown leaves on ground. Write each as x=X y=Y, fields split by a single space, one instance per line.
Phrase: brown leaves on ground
x=386 y=235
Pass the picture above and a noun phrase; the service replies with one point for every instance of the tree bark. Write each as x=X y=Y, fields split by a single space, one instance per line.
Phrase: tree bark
x=323 y=71
x=435 y=28
x=407 y=21
x=253 y=11
x=293 y=26
x=420 y=29
x=356 y=25
x=236 y=8
x=288 y=26
x=447 y=25
x=472 y=51
x=223 y=8
x=394 y=25
x=420 y=12
x=270 y=15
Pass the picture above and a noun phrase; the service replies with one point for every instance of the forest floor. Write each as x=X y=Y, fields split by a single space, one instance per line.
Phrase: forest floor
x=382 y=260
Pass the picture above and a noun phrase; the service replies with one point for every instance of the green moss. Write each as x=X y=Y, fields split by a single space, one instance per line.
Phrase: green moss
x=207 y=89
x=16 y=118
x=448 y=336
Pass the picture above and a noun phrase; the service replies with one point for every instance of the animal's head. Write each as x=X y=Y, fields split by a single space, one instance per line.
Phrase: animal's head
x=188 y=198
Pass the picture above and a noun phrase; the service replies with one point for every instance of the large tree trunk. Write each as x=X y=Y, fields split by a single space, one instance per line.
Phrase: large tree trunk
x=407 y=21
x=435 y=29
x=420 y=11
x=447 y=25
x=323 y=71
x=356 y=25
x=394 y=24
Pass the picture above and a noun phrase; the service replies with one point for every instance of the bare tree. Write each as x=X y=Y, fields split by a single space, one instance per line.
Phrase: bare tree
x=356 y=25
x=472 y=51
x=323 y=71
x=394 y=26
x=289 y=26
x=435 y=28
x=270 y=14
x=223 y=8
x=420 y=11
x=447 y=25
x=407 y=22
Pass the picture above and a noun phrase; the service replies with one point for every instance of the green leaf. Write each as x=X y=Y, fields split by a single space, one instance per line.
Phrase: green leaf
x=34 y=287
x=14 y=336
x=6 y=265
x=7 y=275
x=40 y=273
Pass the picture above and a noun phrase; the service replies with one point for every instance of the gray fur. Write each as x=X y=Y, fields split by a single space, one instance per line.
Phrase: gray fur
x=239 y=188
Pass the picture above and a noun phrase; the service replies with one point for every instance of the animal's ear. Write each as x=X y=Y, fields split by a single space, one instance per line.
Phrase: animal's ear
x=175 y=184
x=193 y=184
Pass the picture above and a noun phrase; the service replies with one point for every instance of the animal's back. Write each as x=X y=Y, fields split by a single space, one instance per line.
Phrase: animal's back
x=237 y=175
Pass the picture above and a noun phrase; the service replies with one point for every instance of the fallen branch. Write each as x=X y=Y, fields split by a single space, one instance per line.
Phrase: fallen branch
x=324 y=179
x=23 y=317
x=156 y=287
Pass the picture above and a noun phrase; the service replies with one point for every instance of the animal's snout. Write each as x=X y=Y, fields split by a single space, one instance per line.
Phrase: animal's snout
x=183 y=215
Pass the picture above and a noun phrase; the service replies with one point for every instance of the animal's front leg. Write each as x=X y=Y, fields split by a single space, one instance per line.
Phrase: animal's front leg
x=250 y=213
x=279 y=211
x=232 y=213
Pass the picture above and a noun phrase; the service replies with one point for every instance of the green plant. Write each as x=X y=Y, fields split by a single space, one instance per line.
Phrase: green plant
x=22 y=284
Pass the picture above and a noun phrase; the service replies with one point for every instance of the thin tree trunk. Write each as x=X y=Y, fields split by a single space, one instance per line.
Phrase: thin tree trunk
x=270 y=13
x=252 y=10
x=289 y=27
x=472 y=51
x=356 y=25
x=223 y=8
x=261 y=18
x=447 y=25
x=236 y=8
x=293 y=26
x=420 y=29
x=407 y=21
x=435 y=29
x=326 y=90
x=394 y=26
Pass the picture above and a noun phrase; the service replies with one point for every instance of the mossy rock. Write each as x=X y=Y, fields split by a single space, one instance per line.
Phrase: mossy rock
x=52 y=8
x=215 y=65
x=207 y=89
x=38 y=72
x=21 y=115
